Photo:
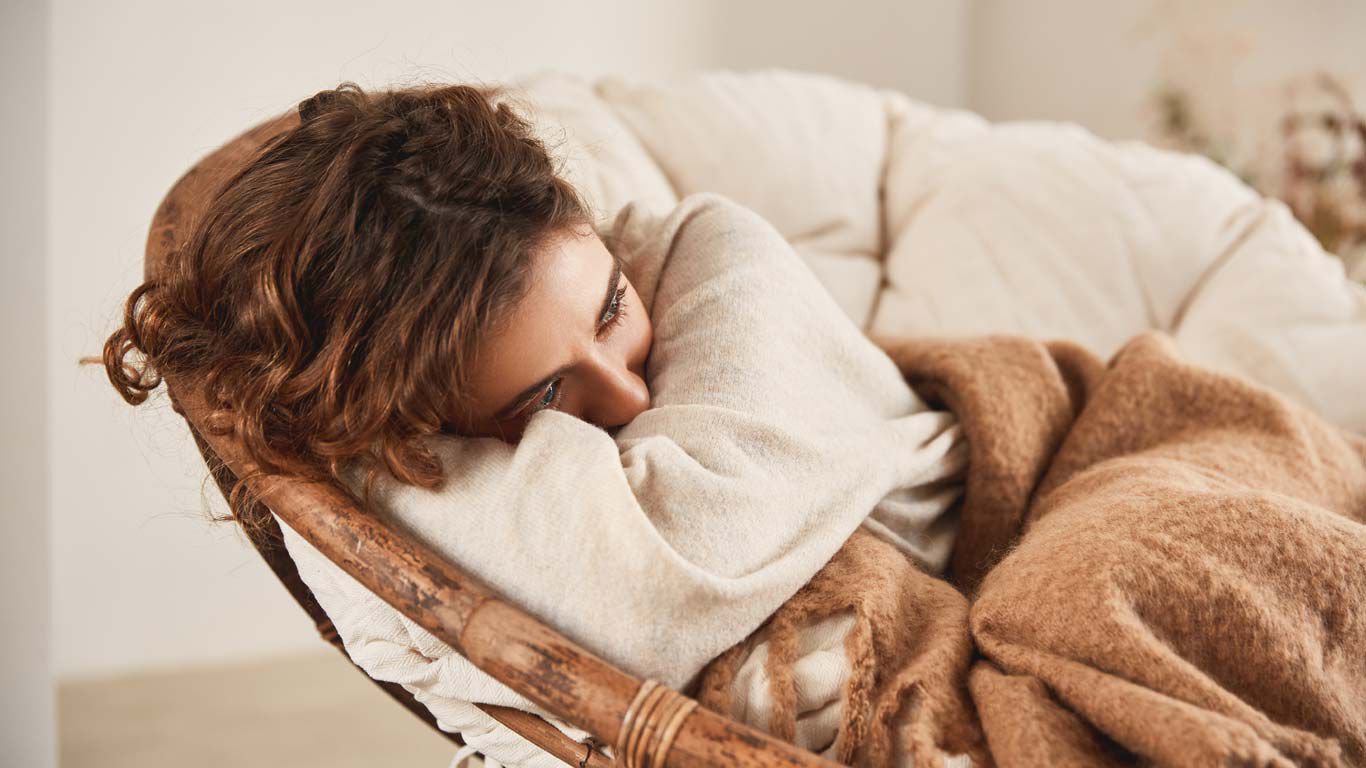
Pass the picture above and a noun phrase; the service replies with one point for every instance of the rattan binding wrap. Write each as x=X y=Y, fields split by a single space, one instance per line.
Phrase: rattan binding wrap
x=650 y=724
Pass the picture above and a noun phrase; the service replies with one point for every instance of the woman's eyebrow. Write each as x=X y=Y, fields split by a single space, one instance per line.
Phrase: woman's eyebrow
x=613 y=283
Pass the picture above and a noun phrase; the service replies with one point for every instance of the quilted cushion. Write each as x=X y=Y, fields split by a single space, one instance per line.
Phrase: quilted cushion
x=921 y=220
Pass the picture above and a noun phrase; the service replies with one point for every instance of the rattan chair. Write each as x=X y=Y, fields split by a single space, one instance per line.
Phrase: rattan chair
x=647 y=723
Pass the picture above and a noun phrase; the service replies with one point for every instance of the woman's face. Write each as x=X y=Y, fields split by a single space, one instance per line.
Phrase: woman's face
x=576 y=343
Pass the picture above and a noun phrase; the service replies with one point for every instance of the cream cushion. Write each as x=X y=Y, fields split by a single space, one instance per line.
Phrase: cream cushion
x=923 y=220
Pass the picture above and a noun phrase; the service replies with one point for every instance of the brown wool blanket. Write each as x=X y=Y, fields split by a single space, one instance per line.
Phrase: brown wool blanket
x=1158 y=563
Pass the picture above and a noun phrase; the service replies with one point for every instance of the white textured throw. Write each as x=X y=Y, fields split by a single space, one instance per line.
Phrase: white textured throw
x=775 y=429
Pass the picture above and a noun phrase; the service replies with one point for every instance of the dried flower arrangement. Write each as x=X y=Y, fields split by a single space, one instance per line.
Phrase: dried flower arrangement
x=1315 y=161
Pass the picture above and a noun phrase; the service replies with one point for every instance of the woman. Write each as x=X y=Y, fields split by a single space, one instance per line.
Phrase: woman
x=406 y=264
x=399 y=264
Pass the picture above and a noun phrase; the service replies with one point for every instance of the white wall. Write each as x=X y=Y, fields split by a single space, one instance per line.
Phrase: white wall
x=919 y=47
x=140 y=91
x=1096 y=63
x=27 y=715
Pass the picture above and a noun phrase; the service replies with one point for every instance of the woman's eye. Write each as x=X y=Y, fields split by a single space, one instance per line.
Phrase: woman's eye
x=617 y=311
x=547 y=398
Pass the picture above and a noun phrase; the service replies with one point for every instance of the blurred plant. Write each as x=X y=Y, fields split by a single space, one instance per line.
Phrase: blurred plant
x=1181 y=129
x=1317 y=161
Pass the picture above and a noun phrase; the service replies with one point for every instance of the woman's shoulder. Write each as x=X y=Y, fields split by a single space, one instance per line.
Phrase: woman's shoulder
x=649 y=236
x=641 y=219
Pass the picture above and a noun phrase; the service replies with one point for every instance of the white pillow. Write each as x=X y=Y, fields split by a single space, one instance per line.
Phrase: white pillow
x=775 y=428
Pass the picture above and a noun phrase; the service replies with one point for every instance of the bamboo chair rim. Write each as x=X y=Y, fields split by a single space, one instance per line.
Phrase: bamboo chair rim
x=266 y=538
x=647 y=723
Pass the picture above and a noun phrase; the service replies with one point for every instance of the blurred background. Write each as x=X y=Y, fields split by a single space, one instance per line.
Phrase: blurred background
x=136 y=633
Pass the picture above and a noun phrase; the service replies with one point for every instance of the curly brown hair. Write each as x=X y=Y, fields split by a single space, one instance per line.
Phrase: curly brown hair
x=328 y=302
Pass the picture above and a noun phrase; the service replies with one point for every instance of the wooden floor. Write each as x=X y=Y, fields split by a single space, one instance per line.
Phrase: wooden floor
x=303 y=711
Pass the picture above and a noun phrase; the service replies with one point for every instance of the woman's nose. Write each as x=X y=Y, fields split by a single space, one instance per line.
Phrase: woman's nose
x=620 y=396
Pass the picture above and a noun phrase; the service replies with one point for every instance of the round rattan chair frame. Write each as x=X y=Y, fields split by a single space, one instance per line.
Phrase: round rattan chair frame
x=647 y=723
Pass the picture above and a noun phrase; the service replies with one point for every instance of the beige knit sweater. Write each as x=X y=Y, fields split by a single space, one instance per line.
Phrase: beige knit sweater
x=776 y=428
